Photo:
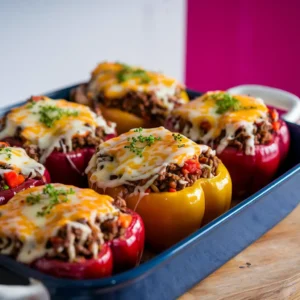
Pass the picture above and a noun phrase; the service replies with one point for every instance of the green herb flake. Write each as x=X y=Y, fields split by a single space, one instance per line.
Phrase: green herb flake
x=127 y=73
x=139 y=143
x=6 y=187
x=54 y=195
x=50 y=114
x=225 y=102
x=33 y=199
x=31 y=104
x=178 y=138
x=6 y=151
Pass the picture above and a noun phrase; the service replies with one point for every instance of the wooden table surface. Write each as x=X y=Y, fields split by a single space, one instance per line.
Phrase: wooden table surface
x=269 y=269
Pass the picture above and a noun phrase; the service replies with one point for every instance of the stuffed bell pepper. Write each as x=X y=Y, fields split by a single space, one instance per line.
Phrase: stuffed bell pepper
x=18 y=172
x=70 y=232
x=173 y=183
x=248 y=137
x=57 y=133
x=129 y=96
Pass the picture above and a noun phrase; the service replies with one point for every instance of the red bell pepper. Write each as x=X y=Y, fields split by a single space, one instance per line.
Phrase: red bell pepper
x=117 y=255
x=127 y=250
x=67 y=168
x=83 y=269
x=6 y=195
x=283 y=139
x=249 y=173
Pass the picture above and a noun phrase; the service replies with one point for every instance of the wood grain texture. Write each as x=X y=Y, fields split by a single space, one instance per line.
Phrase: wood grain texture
x=269 y=269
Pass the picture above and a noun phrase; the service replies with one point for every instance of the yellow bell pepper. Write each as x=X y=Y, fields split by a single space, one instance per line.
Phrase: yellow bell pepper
x=126 y=121
x=171 y=216
x=168 y=216
x=217 y=192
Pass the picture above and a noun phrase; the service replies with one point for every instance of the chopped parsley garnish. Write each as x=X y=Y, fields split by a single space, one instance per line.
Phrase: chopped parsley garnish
x=54 y=195
x=31 y=104
x=127 y=73
x=135 y=142
x=6 y=187
x=226 y=102
x=178 y=138
x=6 y=151
x=50 y=114
x=33 y=199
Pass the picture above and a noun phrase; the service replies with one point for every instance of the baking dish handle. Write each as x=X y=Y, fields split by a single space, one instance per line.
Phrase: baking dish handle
x=34 y=291
x=273 y=97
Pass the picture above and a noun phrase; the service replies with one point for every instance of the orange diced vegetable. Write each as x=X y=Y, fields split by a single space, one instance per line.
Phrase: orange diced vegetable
x=13 y=179
x=125 y=220
x=36 y=98
x=276 y=126
x=3 y=144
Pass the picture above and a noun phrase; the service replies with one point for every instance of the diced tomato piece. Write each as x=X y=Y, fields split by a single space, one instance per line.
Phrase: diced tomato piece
x=36 y=98
x=13 y=179
x=274 y=114
x=171 y=190
x=276 y=126
x=191 y=166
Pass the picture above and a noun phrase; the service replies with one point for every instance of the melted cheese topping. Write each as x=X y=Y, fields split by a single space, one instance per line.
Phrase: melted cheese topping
x=19 y=219
x=105 y=80
x=203 y=109
x=16 y=159
x=126 y=166
x=33 y=131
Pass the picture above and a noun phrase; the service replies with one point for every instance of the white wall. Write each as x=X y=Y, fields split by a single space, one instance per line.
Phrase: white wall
x=45 y=45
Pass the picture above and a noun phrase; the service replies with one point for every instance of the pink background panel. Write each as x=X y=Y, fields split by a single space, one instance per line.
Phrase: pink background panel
x=243 y=42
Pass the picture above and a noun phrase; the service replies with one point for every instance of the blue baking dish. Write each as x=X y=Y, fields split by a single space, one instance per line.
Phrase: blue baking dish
x=176 y=270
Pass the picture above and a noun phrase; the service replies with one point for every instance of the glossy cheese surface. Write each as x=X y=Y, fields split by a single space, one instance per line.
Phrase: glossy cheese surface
x=70 y=120
x=204 y=109
x=114 y=164
x=105 y=79
x=19 y=219
x=15 y=158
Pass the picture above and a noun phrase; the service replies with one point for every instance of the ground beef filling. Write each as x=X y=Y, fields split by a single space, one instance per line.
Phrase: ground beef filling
x=145 y=105
x=81 y=142
x=263 y=132
x=59 y=245
x=174 y=177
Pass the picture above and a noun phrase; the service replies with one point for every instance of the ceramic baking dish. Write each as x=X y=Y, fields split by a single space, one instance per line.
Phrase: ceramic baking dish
x=174 y=271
